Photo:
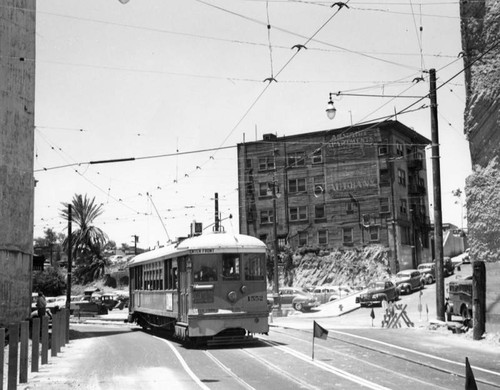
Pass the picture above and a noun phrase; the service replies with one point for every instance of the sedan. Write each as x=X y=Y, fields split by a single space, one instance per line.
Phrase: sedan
x=378 y=292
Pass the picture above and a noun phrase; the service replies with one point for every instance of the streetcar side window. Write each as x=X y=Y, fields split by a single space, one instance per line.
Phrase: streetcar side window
x=253 y=264
x=230 y=266
x=205 y=268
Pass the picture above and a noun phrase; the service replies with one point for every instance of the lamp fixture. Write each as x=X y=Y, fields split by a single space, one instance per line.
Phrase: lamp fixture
x=330 y=108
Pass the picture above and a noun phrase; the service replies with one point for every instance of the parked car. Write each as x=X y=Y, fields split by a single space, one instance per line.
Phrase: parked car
x=378 y=292
x=325 y=293
x=428 y=271
x=288 y=293
x=408 y=281
x=305 y=302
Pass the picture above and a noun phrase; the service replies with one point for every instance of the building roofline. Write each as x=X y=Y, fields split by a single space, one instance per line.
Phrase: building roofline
x=420 y=139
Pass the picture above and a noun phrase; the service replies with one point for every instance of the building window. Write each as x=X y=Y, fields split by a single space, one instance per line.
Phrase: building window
x=347 y=235
x=384 y=205
x=385 y=179
x=296 y=185
x=322 y=237
x=317 y=157
x=349 y=207
x=404 y=206
x=401 y=177
x=319 y=185
x=374 y=233
x=400 y=149
x=296 y=159
x=248 y=163
x=405 y=235
x=266 y=216
x=298 y=213
x=319 y=211
x=382 y=150
x=263 y=189
x=266 y=163
x=303 y=238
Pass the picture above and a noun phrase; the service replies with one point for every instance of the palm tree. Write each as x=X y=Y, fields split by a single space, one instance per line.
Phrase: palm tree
x=87 y=241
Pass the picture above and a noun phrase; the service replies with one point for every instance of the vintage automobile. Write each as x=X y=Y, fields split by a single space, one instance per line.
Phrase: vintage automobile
x=448 y=266
x=304 y=302
x=379 y=292
x=408 y=281
x=428 y=271
x=325 y=293
x=459 y=301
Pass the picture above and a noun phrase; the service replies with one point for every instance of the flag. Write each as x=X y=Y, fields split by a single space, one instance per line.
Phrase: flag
x=470 y=382
x=319 y=331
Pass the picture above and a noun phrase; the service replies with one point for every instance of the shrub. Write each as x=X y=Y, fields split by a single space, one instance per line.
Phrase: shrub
x=50 y=281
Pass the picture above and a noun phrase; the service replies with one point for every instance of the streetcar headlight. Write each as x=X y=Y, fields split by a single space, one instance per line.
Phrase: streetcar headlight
x=232 y=296
x=243 y=289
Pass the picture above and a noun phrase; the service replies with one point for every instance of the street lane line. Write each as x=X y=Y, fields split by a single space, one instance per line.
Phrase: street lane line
x=229 y=372
x=184 y=364
x=326 y=367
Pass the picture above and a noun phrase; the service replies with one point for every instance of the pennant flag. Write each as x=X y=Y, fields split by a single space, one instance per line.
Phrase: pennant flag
x=319 y=331
x=372 y=314
x=470 y=382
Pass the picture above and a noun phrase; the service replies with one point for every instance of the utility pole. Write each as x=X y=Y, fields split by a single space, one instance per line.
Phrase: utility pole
x=68 y=285
x=276 y=291
x=216 y=227
x=136 y=240
x=436 y=177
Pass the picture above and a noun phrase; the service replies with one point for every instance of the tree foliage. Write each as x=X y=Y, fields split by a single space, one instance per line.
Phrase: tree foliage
x=87 y=240
x=483 y=212
x=50 y=281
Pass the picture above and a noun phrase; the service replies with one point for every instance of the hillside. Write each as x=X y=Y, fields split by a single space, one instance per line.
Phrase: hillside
x=339 y=267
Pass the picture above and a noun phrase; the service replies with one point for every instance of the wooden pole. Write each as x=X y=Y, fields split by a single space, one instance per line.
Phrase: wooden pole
x=35 y=344
x=436 y=178
x=70 y=264
x=13 y=356
x=23 y=358
x=45 y=340
x=478 y=299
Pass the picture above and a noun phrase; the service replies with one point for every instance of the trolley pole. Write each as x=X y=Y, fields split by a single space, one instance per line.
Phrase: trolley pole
x=436 y=177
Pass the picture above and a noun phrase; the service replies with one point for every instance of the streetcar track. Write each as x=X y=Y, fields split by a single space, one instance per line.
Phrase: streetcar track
x=227 y=370
x=336 y=371
x=410 y=360
x=280 y=371
x=379 y=367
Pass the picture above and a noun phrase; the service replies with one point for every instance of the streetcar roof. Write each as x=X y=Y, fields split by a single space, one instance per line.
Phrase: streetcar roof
x=206 y=243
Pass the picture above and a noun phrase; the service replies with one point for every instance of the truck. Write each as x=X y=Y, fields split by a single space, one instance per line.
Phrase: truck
x=459 y=300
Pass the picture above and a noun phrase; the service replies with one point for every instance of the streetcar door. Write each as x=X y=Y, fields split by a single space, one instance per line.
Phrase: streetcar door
x=184 y=271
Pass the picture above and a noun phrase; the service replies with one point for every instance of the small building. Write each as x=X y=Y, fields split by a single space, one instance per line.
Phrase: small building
x=340 y=188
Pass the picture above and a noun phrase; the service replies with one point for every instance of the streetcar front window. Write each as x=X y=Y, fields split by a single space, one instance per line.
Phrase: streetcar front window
x=205 y=268
x=230 y=266
x=254 y=266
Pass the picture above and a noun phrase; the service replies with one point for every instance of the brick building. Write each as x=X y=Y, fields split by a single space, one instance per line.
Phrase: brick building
x=341 y=188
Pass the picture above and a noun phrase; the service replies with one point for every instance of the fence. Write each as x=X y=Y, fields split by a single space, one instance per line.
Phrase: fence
x=18 y=335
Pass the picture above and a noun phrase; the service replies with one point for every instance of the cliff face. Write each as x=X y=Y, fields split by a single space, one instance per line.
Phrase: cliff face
x=480 y=25
x=352 y=268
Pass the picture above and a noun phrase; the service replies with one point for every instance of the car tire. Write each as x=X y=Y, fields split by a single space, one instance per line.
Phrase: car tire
x=298 y=306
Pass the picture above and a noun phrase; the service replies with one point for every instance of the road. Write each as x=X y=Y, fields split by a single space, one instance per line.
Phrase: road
x=120 y=357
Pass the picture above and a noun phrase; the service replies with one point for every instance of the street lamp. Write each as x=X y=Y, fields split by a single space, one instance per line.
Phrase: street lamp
x=330 y=108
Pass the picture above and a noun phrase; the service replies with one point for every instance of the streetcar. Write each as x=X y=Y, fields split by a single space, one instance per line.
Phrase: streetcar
x=209 y=288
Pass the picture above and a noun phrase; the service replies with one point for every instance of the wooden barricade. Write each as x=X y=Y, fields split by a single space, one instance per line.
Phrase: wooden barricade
x=393 y=316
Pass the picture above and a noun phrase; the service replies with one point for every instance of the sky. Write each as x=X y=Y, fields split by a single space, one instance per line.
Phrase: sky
x=177 y=84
